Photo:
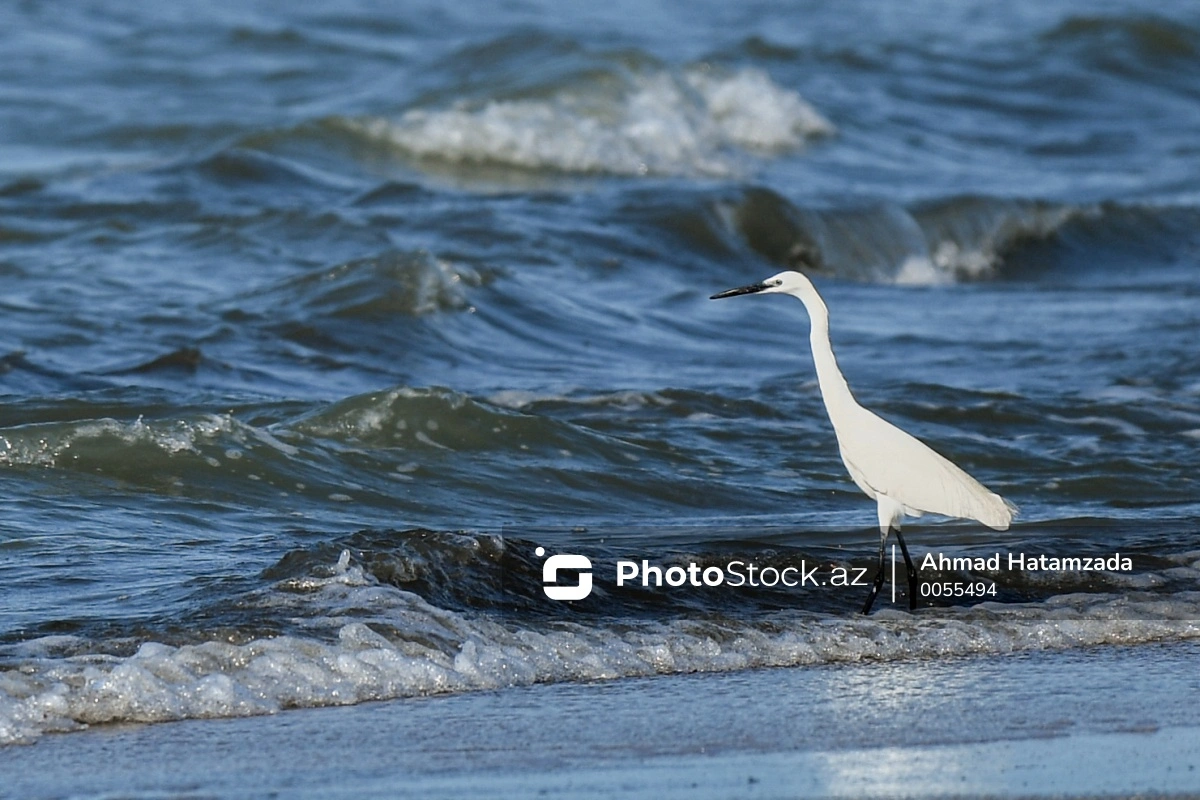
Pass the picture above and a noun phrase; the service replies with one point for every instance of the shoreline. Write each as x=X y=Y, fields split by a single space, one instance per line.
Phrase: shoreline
x=1030 y=724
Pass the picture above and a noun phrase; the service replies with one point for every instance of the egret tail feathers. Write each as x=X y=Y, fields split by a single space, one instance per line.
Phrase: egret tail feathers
x=999 y=513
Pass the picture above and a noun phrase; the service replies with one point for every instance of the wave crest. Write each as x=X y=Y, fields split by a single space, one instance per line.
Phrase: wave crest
x=700 y=122
x=954 y=240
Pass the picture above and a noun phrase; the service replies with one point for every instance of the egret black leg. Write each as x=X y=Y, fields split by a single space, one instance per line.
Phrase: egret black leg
x=914 y=583
x=878 y=576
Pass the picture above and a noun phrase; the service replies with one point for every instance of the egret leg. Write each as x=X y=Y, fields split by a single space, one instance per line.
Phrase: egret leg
x=913 y=580
x=878 y=575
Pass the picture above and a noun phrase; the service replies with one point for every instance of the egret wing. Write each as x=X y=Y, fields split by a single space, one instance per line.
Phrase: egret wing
x=883 y=459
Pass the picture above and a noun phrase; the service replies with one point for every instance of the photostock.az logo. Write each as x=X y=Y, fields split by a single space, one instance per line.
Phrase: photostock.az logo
x=565 y=561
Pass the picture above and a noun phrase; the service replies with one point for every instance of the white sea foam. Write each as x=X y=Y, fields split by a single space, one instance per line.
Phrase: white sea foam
x=754 y=112
x=697 y=123
x=951 y=259
x=974 y=244
x=920 y=271
x=950 y=262
x=440 y=651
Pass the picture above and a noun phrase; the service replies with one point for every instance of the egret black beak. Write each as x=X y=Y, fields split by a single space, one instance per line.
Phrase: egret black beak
x=751 y=289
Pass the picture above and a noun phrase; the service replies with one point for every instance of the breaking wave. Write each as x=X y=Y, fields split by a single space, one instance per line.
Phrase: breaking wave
x=958 y=239
x=697 y=122
x=369 y=640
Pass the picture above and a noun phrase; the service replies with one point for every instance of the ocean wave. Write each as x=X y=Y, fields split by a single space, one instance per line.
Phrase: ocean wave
x=390 y=643
x=696 y=122
x=412 y=283
x=368 y=447
x=417 y=419
x=573 y=453
x=462 y=570
x=436 y=419
x=1125 y=44
x=958 y=239
x=200 y=452
x=242 y=166
x=61 y=444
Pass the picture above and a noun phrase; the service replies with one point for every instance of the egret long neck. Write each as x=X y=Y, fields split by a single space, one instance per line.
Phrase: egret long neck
x=834 y=390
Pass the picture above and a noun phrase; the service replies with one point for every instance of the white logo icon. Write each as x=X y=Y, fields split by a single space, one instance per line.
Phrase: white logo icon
x=565 y=561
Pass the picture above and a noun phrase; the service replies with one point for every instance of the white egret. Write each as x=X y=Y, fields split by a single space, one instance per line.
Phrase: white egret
x=897 y=470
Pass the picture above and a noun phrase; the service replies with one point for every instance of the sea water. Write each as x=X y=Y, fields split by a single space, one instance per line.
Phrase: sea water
x=318 y=320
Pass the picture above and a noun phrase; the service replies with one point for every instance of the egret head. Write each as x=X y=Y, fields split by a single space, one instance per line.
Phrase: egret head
x=787 y=282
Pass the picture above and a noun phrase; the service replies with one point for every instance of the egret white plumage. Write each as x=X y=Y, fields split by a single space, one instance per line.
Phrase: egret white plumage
x=897 y=470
